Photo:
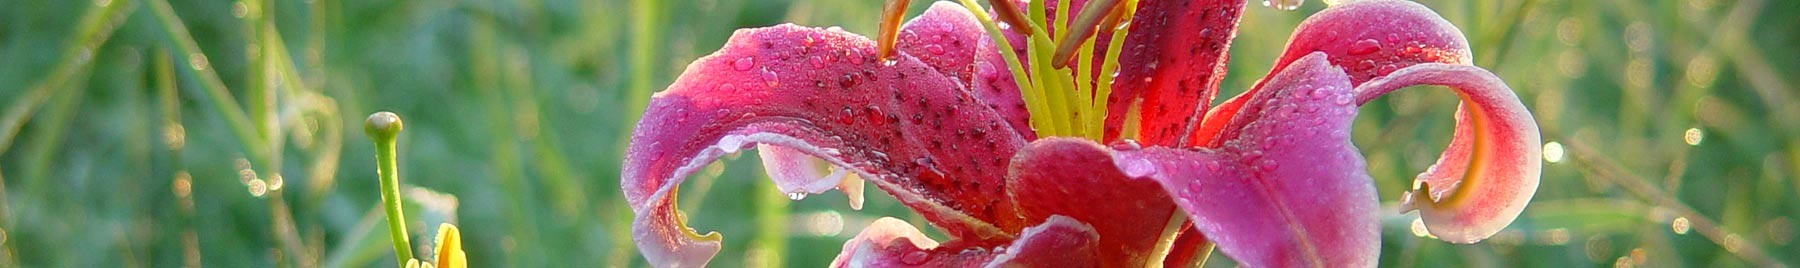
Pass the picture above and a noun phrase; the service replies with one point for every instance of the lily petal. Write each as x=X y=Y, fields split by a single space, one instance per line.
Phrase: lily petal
x=1368 y=39
x=947 y=37
x=889 y=242
x=902 y=125
x=1078 y=179
x=1290 y=190
x=1490 y=171
x=1171 y=66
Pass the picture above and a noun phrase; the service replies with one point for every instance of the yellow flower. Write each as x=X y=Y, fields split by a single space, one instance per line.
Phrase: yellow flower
x=449 y=248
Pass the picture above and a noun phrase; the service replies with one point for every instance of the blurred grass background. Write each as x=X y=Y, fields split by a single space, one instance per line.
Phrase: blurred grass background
x=156 y=133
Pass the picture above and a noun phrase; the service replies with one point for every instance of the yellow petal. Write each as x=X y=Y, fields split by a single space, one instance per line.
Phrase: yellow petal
x=449 y=248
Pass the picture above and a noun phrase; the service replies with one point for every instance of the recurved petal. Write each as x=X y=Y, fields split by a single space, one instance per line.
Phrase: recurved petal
x=1490 y=171
x=1077 y=178
x=1171 y=66
x=902 y=125
x=1288 y=190
x=1368 y=39
x=889 y=242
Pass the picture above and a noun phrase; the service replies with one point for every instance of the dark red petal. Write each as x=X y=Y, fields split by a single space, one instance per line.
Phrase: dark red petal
x=1171 y=66
x=1490 y=171
x=1368 y=39
x=1077 y=178
x=905 y=127
x=889 y=242
x=947 y=37
x=1289 y=190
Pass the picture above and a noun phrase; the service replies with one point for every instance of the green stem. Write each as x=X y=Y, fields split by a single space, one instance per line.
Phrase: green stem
x=384 y=128
x=215 y=90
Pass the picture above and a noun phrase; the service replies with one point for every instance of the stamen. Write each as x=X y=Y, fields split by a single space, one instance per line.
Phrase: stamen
x=1009 y=13
x=1081 y=29
x=891 y=15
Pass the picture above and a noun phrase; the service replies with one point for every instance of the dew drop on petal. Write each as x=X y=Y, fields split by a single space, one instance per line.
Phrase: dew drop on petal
x=796 y=196
x=1365 y=47
x=743 y=64
x=934 y=49
x=770 y=78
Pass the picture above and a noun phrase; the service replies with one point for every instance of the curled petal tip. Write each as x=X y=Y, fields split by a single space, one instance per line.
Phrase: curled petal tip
x=1491 y=169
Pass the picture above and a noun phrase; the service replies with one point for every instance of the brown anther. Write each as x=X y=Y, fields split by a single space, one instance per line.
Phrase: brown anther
x=1081 y=30
x=891 y=14
x=1012 y=15
x=1113 y=20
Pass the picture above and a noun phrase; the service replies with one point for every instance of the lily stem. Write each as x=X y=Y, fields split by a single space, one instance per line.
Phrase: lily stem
x=384 y=128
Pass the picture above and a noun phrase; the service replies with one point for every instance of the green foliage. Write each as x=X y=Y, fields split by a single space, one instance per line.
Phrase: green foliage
x=163 y=134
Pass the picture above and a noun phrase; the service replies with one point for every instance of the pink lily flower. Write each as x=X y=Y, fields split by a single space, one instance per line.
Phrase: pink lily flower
x=1131 y=170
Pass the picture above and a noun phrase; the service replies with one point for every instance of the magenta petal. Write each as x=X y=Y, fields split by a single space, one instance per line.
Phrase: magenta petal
x=1368 y=39
x=889 y=242
x=1289 y=190
x=904 y=126
x=947 y=37
x=1077 y=178
x=1490 y=171
x=1171 y=66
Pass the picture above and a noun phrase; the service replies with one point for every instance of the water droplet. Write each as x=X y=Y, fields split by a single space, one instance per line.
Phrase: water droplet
x=1266 y=164
x=1680 y=225
x=770 y=78
x=1365 y=47
x=258 y=188
x=1126 y=145
x=1283 y=4
x=855 y=58
x=1418 y=228
x=817 y=61
x=743 y=64
x=197 y=61
x=934 y=49
x=796 y=196
x=1553 y=152
x=1693 y=136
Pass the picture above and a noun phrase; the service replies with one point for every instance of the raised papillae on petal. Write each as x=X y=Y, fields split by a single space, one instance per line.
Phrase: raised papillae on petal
x=1490 y=171
x=1287 y=189
x=903 y=125
x=1171 y=65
